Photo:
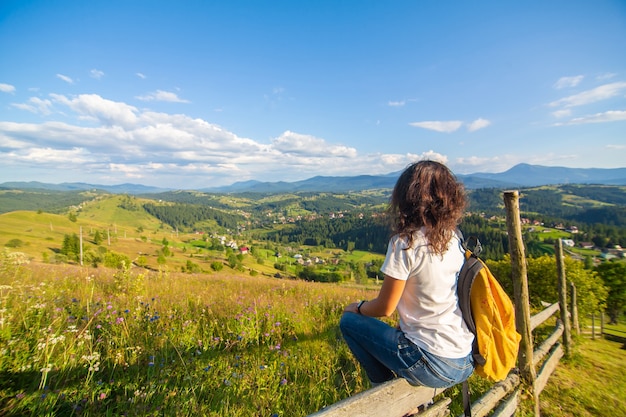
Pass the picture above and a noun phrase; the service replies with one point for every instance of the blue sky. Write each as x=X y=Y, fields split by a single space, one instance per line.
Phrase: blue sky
x=192 y=94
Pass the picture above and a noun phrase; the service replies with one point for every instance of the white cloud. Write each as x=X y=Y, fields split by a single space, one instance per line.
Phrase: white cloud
x=97 y=74
x=160 y=95
x=562 y=113
x=65 y=78
x=35 y=105
x=600 y=93
x=566 y=82
x=306 y=145
x=438 y=126
x=94 y=107
x=608 y=116
x=478 y=124
x=52 y=157
x=616 y=147
x=140 y=75
x=7 y=88
x=607 y=76
x=122 y=143
x=131 y=171
x=396 y=103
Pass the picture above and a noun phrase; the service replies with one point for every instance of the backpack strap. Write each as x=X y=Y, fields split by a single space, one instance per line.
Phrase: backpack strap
x=472 y=243
x=467 y=403
x=468 y=273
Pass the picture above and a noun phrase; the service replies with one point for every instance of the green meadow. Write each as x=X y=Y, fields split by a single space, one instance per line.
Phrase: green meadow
x=79 y=341
x=84 y=341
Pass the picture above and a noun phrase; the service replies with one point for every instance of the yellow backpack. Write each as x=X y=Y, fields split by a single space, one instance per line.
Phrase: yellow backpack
x=490 y=315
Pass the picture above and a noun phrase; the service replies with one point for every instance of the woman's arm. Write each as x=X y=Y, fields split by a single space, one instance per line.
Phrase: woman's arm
x=385 y=304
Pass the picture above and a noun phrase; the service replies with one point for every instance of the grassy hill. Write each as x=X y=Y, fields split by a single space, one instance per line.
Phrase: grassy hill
x=125 y=230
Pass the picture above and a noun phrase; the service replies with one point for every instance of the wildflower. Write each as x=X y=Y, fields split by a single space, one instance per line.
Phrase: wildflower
x=283 y=381
x=102 y=396
x=119 y=320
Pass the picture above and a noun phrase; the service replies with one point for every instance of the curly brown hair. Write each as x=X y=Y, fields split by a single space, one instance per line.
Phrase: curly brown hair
x=427 y=194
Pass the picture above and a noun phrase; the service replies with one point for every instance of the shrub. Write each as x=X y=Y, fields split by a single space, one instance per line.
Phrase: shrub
x=116 y=260
x=14 y=243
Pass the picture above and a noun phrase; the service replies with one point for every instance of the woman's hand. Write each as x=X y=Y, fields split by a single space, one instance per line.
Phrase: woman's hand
x=352 y=308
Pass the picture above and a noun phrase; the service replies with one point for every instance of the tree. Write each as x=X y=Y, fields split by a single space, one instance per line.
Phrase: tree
x=97 y=238
x=614 y=276
x=71 y=246
x=233 y=261
x=360 y=275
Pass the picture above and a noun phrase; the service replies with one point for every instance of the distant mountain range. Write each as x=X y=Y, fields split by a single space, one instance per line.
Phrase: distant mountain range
x=520 y=176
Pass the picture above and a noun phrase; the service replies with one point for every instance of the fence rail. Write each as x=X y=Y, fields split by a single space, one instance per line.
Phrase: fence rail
x=397 y=398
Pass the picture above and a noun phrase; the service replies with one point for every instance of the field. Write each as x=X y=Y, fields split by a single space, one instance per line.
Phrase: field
x=97 y=342
x=81 y=341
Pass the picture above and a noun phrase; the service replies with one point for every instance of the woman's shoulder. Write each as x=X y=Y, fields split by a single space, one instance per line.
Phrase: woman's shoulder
x=418 y=239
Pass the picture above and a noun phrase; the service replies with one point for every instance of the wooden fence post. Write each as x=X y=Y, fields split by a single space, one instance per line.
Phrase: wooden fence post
x=560 y=269
x=601 y=324
x=593 y=325
x=81 y=245
x=520 y=285
x=520 y=290
x=575 y=322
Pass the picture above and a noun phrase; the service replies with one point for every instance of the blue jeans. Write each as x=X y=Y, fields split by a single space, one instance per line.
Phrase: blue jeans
x=385 y=352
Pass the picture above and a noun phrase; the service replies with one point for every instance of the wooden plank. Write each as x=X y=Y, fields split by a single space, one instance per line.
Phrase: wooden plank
x=547 y=369
x=508 y=407
x=547 y=344
x=490 y=399
x=438 y=409
x=394 y=398
x=544 y=315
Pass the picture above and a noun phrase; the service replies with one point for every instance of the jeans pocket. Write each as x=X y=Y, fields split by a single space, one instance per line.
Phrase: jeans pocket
x=422 y=373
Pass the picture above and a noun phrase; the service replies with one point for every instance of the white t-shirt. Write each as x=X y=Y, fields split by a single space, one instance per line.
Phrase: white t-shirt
x=429 y=310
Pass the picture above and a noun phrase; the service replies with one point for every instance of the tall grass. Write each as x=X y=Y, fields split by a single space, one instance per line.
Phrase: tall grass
x=80 y=341
x=90 y=342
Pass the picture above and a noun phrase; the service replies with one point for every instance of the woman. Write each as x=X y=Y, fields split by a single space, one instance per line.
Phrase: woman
x=432 y=345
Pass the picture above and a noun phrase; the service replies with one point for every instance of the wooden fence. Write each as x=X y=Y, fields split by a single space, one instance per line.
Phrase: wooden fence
x=397 y=398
